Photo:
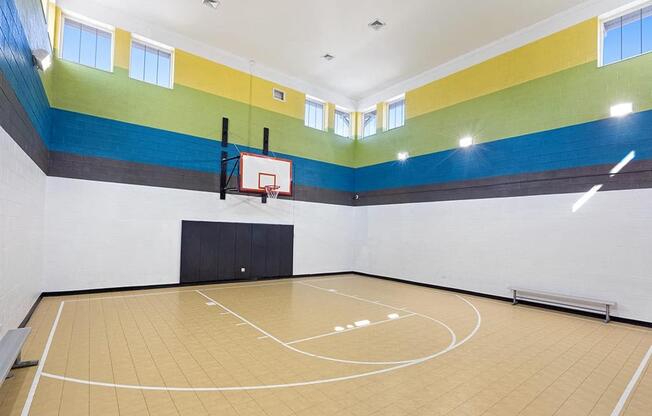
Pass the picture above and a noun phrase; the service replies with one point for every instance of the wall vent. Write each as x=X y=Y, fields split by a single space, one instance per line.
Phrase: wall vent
x=278 y=95
x=211 y=3
x=377 y=24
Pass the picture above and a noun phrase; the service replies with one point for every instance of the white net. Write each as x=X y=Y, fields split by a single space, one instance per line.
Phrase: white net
x=272 y=191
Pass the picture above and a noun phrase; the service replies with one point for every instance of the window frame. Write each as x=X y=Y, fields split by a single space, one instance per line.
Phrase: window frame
x=373 y=109
x=45 y=5
x=84 y=21
x=160 y=47
x=388 y=103
x=616 y=14
x=341 y=110
x=324 y=108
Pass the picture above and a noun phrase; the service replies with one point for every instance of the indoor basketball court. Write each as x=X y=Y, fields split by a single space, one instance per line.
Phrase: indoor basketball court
x=371 y=208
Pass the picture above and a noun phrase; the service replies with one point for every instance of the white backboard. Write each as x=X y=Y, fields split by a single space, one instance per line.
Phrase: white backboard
x=256 y=171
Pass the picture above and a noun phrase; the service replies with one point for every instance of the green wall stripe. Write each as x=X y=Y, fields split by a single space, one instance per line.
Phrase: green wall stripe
x=185 y=110
x=573 y=96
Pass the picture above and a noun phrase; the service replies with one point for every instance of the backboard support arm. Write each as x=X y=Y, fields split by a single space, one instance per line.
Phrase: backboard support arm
x=263 y=198
x=224 y=156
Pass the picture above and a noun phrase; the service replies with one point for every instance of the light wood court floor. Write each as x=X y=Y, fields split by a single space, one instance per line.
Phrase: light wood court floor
x=339 y=345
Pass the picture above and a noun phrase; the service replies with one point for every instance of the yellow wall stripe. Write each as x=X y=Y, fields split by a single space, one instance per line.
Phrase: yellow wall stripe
x=205 y=75
x=572 y=47
x=122 y=48
x=566 y=49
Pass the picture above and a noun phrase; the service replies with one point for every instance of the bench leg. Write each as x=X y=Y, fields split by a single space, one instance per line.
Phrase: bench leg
x=514 y=301
x=23 y=364
x=607 y=316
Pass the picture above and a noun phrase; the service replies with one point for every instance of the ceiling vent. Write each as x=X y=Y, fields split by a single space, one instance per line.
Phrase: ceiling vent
x=212 y=3
x=377 y=25
x=328 y=57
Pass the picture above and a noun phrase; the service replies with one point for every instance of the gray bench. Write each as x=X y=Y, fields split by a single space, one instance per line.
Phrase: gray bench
x=10 y=346
x=558 y=299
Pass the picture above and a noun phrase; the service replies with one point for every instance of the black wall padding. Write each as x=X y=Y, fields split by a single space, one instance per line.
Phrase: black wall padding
x=212 y=251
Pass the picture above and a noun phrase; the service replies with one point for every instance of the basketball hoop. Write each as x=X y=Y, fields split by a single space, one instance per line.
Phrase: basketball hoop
x=272 y=191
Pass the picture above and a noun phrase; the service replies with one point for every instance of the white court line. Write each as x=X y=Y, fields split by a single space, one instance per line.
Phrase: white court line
x=241 y=323
x=632 y=383
x=404 y=309
x=276 y=386
x=41 y=364
x=454 y=344
x=326 y=279
x=349 y=329
x=172 y=292
x=354 y=297
x=322 y=357
x=207 y=289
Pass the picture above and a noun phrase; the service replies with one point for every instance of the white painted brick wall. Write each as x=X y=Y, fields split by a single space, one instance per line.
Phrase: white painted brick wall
x=486 y=245
x=22 y=202
x=101 y=234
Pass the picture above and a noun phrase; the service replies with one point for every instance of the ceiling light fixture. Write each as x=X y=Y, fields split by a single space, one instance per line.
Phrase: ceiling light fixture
x=212 y=3
x=377 y=25
x=328 y=57
x=402 y=156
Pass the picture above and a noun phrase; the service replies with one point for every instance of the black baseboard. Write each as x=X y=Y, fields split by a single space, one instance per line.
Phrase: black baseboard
x=172 y=285
x=31 y=312
x=508 y=299
x=393 y=279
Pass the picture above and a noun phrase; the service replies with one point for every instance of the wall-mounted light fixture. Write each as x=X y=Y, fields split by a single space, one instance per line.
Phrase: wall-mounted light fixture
x=42 y=59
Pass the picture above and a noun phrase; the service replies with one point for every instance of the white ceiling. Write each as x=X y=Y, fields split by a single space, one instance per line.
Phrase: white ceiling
x=290 y=36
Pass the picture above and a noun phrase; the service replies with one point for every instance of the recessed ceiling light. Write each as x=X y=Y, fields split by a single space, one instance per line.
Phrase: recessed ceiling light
x=328 y=57
x=212 y=3
x=377 y=24
x=466 y=141
x=402 y=156
x=621 y=110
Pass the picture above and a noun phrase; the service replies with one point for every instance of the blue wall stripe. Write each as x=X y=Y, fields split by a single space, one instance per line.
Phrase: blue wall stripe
x=99 y=137
x=594 y=143
x=16 y=66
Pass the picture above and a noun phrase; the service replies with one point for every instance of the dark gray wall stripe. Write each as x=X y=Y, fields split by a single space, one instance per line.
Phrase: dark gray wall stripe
x=68 y=165
x=637 y=175
x=16 y=122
